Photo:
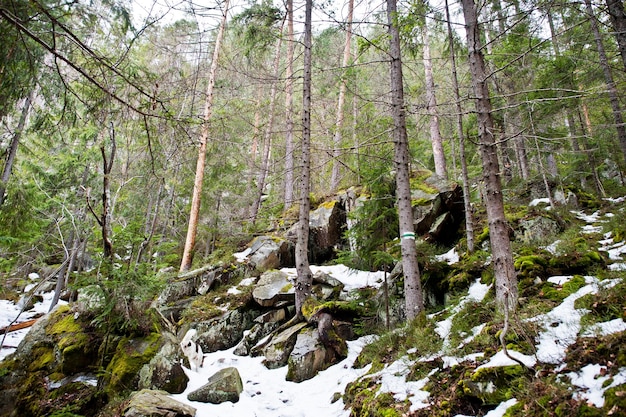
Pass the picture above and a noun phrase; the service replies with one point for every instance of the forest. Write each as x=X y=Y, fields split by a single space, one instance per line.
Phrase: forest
x=142 y=137
x=105 y=115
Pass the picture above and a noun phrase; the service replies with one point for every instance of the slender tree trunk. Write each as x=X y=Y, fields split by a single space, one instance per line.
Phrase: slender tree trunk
x=414 y=301
x=467 y=204
x=334 y=180
x=431 y=105
x=289 y=164
x=618 y=19
x=506 y=279
x=194 y=213
x=267 y=137
x=106 y=219
x=252 y=159
x=15 y=141
x=608 y=78
x=304 y=279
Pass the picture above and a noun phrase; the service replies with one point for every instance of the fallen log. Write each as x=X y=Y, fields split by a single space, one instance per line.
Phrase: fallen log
x=18 y=326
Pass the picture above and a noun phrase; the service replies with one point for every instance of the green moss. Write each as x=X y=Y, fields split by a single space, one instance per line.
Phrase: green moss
x=131 y=354
x=43 y=358
x=287 y=287
x=328 y=204
x=493 y=385
x=615 y=400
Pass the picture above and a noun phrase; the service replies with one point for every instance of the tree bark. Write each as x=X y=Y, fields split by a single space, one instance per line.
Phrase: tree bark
x=431 y=106
x=304 y=279
x=334 y=180
x=194 y=213
x=608 y=78
x=414 y=301
x=469 y=218
x=618 y=19
x=506 y=279
x=289 y=164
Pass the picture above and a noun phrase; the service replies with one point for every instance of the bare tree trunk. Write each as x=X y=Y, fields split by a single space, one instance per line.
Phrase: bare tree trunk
x=431 y=105
x=618 y=19
x=288 y=198
x=107 y=167
x=334 y=180
x=267 y=137
x=506 y=279
x=15 y=141
x=467 y=204
x=414 y=301
x=194 y=213
x=304 y=279
x=608 y=78
x=252 y=158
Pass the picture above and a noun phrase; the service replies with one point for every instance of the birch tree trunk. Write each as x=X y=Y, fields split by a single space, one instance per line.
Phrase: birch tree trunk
x=194 y=213
x=469 y=218
x=304 y=279
x=608 y=78
x=334 y=180
x=506 y=279
x=414 y=301
x=288 y=197
x=431 y=106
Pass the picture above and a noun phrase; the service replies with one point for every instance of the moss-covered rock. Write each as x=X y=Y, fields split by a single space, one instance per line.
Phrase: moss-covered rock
x=131 y=354
x=493 y=385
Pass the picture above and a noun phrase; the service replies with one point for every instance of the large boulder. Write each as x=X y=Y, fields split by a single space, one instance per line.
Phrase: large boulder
x=224 y=332
x=196 y=282
x=268 y=252
x=225 y=385
x=151 y=403
x=278 y=350
x=164 y=371
x=326 y=226
x=308 y=357
x=537 y=229
x=131 y=353
x=437 y=208
x=272 y=288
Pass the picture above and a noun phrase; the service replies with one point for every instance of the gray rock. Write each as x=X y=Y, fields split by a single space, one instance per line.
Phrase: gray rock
x=308 y=357
x=268 y=253
x=537 y=229
x=225 y=385
x=150 y=403
x=273 y=287
x=225 y=332
x=278 y=350
x=164 y=371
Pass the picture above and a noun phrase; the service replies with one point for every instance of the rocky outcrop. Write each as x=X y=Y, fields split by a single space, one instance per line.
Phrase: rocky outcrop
x=225 y=385
x=150 y=403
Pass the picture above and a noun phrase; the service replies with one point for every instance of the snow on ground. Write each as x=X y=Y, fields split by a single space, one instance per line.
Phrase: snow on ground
x=9 y=311
x=267 y=393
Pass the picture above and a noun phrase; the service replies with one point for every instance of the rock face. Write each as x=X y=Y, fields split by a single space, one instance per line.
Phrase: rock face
x=223 y=386
x=149 y=403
